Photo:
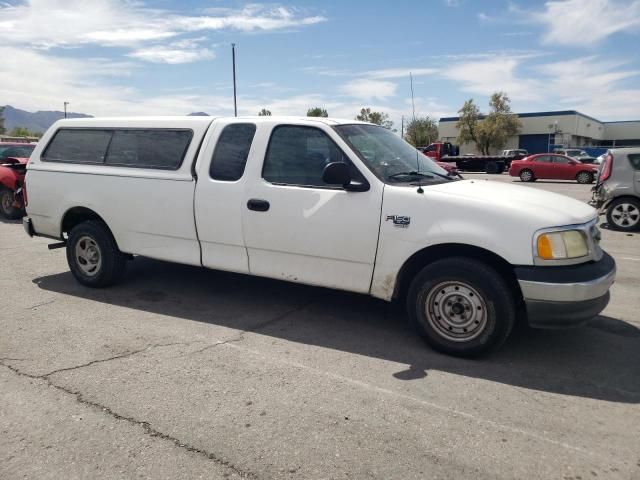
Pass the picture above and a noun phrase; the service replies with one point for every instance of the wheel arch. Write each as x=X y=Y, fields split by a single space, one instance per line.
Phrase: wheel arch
x=76 y=215
x=422 y=258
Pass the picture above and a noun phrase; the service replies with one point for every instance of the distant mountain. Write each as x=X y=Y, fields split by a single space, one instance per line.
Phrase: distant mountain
x=33 y=121
x=198 y=114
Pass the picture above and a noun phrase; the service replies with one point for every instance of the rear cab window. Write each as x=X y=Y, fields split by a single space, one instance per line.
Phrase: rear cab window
x=162 y=149
x=231 y=152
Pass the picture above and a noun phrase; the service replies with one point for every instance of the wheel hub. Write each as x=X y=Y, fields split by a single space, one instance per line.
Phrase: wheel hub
x=456 y=311
x=625 y=215
x=88 y=256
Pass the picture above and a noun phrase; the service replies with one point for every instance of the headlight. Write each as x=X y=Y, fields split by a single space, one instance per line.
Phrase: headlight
x=562 y=245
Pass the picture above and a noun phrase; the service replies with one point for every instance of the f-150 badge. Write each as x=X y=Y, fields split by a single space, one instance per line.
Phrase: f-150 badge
x=399 y=220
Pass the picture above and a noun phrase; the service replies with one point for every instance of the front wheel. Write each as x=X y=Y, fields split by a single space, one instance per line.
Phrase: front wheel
x=461 y=306
x=93 y=255
x=7 y=200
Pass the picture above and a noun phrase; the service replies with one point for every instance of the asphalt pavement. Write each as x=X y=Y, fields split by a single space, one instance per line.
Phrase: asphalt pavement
x=182 y=372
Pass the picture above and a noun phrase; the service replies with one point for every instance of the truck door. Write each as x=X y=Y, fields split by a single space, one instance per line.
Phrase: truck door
x=299 y=228
x=219 y=198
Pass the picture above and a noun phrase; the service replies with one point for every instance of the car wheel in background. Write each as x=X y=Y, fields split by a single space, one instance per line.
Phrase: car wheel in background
x=624 y=214
x=461 y=306
x=584 y=177
x=93 y=255
x=491 y=167
x=526 y=175
x=7 y=210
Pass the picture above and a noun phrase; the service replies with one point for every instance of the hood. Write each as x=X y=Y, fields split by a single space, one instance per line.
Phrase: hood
x=549 y=209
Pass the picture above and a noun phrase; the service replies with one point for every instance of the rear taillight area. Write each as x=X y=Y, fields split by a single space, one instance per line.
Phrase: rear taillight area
x=25 y=199
x=607 y=166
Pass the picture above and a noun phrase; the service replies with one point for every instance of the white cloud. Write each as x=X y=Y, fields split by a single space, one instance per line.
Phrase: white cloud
x=400 y=72
x=122 y=23
x=499 y=72
x=365 y=88
x=585 y=22
x=171 y=54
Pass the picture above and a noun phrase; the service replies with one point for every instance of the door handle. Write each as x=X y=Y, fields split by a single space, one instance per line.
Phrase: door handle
x=258 y=205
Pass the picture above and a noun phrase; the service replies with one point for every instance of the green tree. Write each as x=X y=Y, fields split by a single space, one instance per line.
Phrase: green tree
x=317 y=112
x=264 y=113
x=421 y=131
x=379 y=118
x=21 y=132
x=2 y=130
x=488 y=132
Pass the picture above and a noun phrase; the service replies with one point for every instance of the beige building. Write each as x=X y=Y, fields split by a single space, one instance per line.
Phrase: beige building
x=544 y=131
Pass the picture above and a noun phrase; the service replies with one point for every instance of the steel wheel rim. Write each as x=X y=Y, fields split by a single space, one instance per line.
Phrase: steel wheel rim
x=526 y=175
x=625 y=215
x=88 y=256
x=6 y=201
x=456 y=311
x=584 y=177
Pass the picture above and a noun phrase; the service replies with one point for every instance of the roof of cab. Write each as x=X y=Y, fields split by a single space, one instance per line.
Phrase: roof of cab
x=191 y=120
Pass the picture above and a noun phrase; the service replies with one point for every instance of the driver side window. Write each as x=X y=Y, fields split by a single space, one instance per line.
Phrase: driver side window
x=297 y=155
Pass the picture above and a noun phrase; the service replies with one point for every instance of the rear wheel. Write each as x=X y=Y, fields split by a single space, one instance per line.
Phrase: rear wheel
x=584 y=177
x=93 y=255
x=491 y=167
x=7 y=210
x=624 y=214
x=461 y=306
x=526 y=175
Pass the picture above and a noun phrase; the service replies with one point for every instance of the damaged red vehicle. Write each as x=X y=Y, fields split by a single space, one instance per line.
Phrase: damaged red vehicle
x=13 y=167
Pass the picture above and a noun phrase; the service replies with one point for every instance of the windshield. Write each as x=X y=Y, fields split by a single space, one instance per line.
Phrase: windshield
x=17 y=151
x=577 y=153
x=389 y=157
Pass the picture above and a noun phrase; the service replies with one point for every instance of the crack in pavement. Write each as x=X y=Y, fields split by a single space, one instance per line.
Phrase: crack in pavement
x=115 y=357
x=256 y=328
x=146 y=426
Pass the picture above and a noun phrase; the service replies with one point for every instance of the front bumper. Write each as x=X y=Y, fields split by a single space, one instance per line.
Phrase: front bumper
x=566 y=296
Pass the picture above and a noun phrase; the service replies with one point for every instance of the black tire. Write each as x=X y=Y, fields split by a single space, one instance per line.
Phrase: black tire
x=95 y=236
x=491 y=167
x=446 y=280
x=7 y=210
x=501 y=168
x=527 y=175
x=584 y=177
x=616 y=214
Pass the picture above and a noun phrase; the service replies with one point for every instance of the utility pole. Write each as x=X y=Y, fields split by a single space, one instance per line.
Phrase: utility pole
x=65 y=109
x=233 y=58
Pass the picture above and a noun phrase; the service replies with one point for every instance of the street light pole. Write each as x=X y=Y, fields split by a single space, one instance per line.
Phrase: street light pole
x=233 y=58
x=65 y=109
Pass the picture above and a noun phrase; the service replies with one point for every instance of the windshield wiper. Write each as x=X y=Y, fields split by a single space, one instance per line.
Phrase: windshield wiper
x=412 y=173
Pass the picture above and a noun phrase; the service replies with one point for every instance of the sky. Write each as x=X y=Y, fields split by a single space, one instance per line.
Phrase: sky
x=173 y=57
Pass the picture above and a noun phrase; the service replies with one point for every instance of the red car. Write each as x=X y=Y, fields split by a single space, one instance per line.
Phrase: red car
x=552 y=166
x=13 y=165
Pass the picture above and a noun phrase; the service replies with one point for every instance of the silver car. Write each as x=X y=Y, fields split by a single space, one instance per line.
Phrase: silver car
x=617 y=191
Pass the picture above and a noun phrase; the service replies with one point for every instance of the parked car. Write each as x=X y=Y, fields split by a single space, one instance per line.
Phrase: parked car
x=321 y=202
x=618 y=189
x=15 y=150
x=515 y=153
x=575 y=153
x=552 y=166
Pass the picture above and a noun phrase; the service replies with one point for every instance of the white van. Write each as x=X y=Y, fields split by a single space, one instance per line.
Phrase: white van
x=338 y=204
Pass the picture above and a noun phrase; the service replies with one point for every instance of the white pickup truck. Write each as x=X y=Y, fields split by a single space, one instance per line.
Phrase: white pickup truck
x=338 y=204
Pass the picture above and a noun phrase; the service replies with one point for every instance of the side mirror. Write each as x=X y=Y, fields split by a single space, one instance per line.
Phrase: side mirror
x=336 y=173
x=572 y=162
